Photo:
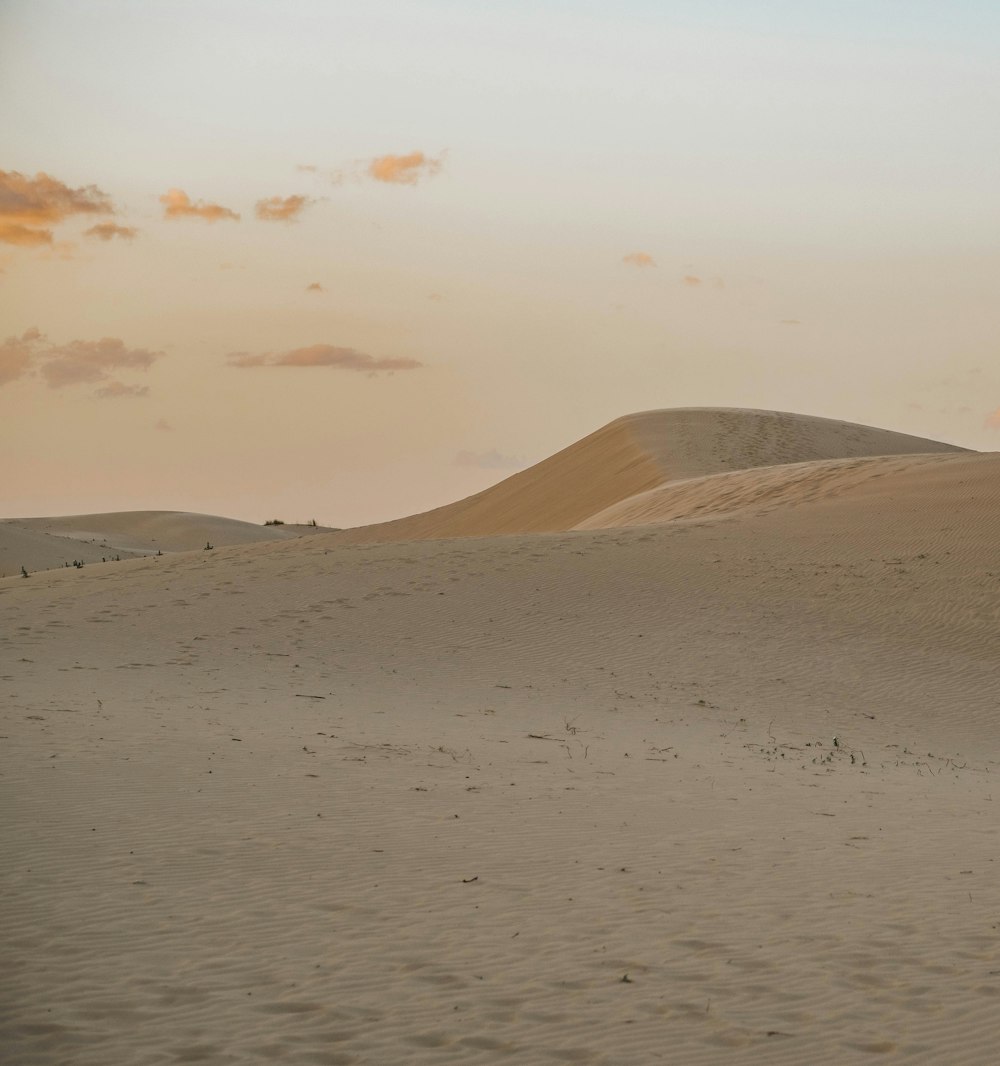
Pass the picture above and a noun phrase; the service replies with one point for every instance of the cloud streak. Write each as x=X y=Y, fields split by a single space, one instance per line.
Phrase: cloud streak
x=323 y=355
x=116 y=390
x=489 y=460
x=106 y=231
x=639 y=259
x=76 y=363
x=281 y=209
x=177 y=204
x=30 y=207
x=403 y=169
x=993 y=420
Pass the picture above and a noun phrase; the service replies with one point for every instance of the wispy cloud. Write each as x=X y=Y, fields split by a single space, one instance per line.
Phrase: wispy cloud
x=691 y=281
x=314 y=286
x=76 y=363
x=281 y=209
x=163 y=425
x=29 y=207
x=639 y=259
x=326 y=355
x=993 y=420
x=117 y=390
x=490 y=460
x=403 y=169
x=177 y=204
x=17 y=355
x=407 y=169
x=106 y=231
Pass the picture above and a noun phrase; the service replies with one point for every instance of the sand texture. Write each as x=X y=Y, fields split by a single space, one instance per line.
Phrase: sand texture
x=716 y=787
x=46 y=543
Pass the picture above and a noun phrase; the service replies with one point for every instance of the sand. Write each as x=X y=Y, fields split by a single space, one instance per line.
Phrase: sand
x=717 y=787
x=47 y=543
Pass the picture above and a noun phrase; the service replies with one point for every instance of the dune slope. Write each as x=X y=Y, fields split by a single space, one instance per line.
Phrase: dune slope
x=639 y=453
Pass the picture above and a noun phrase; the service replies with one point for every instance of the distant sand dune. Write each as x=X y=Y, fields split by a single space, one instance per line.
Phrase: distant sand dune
x=46 y=543
x=640 y=453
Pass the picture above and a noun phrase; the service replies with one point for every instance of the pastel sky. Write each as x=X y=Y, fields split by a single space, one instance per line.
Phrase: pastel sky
x=348 y=261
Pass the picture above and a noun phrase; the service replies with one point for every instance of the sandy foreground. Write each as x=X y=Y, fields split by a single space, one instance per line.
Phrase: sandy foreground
x=713 y=788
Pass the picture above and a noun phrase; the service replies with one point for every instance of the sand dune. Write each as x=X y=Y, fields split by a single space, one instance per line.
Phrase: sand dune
x=765 y=488
x=639 y=453
x=694 y=791
x=45 y=543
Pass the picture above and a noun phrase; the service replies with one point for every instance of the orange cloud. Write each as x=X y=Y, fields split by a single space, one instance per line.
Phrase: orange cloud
x=639 y=259
x=314 y=287
x=177 y=204
x=278 y=209
x=691 y=281
x=403 y=169
x=16 y=355
x=993 y=419
x=75 y=363
x=115 y=390
x=323 y=355
x=22 y=236
x=30 y=206
x=106 y=231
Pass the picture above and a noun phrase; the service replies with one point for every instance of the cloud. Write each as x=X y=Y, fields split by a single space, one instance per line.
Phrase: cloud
x=691 y=281
x=490 y=460
x=29 y=207
x=16 y=355
x=75 y=363
x=639 y=259
x=323 y=355
x=790 y=322
x=106 y=231
x=314 y=286
x=163 y=425
x=993 y=420
x=403 y=169
x=115 y=390
x=278 y=209
x=177 y=204
x=23 y=236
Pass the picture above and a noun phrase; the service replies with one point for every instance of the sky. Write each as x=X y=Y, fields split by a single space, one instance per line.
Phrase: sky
x=350 y=261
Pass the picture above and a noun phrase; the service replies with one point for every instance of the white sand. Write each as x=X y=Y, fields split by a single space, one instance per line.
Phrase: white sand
x=542 y=762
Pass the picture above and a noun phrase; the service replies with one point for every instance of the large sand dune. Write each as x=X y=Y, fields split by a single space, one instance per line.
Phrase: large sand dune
x=694 y=791
x=45 y=543
x=639 y=453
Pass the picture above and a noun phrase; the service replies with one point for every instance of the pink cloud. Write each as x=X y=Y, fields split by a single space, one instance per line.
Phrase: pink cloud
x=325 y=355
x=993 y=420
x=691 y=281
x=177 y=204
x=314 y=286
x=76 y=363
